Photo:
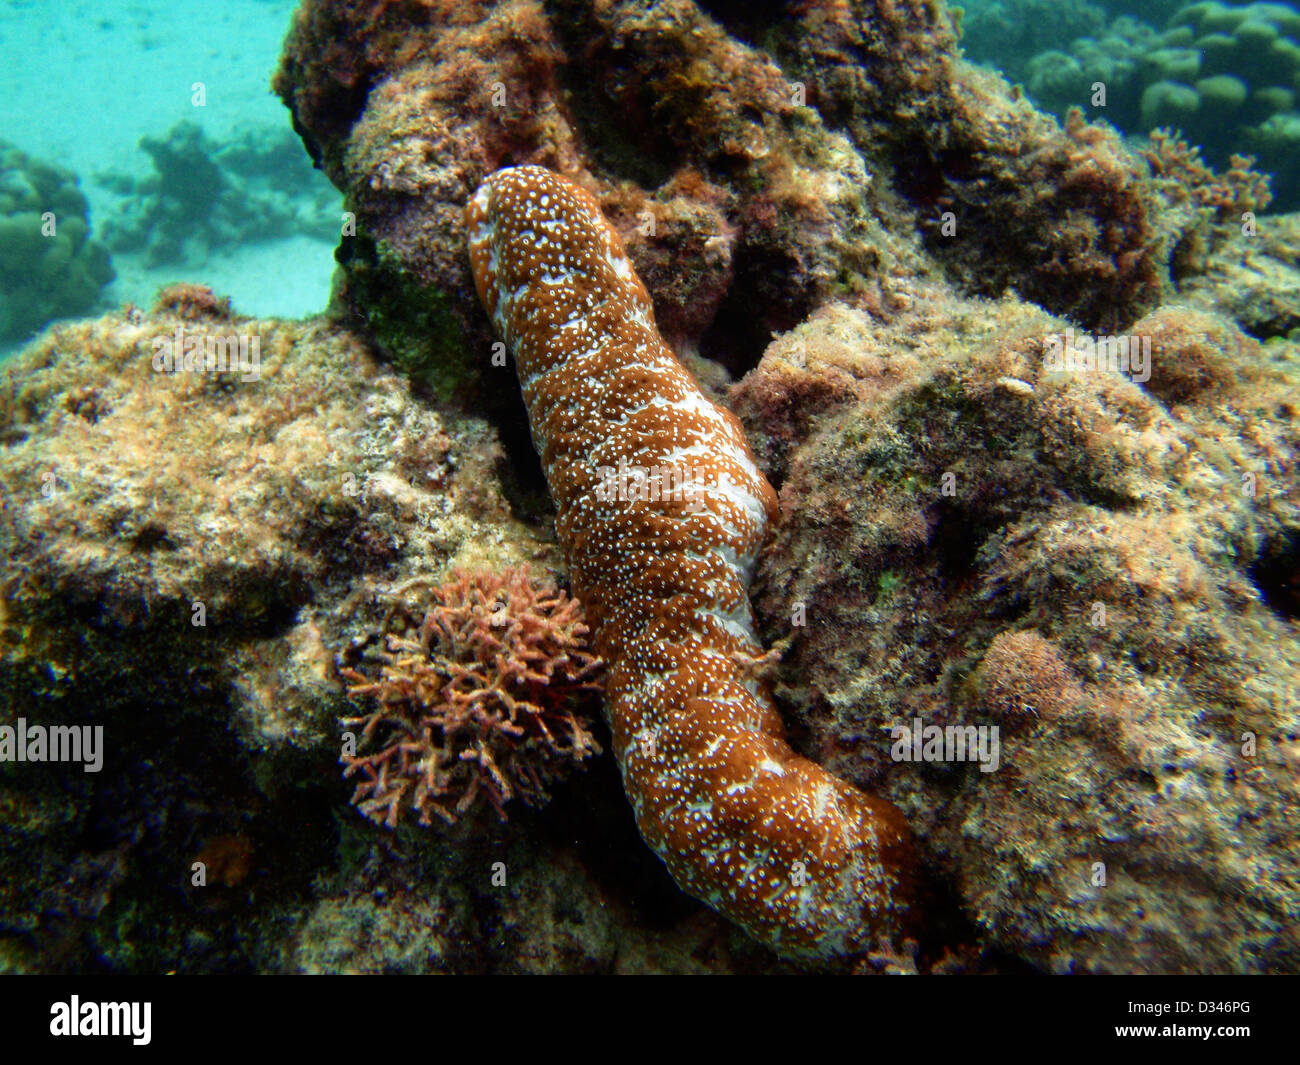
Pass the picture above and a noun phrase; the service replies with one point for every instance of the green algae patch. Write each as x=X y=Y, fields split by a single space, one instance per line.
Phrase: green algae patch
x=412 y=322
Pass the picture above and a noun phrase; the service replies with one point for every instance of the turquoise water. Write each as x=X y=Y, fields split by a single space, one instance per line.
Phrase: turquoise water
x=1224 y=75
x=83 y=83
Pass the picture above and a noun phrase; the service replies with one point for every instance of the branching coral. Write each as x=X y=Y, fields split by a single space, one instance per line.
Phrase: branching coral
x=1240 y=188
x=483 y=697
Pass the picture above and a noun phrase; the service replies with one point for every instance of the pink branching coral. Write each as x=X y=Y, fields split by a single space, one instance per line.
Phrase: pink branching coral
x=481 y=698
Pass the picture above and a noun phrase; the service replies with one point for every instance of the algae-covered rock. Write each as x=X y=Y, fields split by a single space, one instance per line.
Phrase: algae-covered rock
x=190 y=548
x=1097 y=556
x=50 y=267
x=805 y=154
x=1254 y=279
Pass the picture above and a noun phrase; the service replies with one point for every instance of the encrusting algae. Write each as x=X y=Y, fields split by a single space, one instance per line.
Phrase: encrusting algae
x=876 y=241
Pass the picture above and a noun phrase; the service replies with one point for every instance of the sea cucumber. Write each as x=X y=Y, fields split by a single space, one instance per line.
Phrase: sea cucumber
x=661 y=555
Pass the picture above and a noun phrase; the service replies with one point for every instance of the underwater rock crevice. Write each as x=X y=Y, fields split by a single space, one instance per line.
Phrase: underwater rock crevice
x=1276 y=574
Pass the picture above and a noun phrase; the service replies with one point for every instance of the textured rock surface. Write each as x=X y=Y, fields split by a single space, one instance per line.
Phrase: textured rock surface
x=284 y=507
x=940 y=181
x=1254 y=280
x=1110 y=579
x=1109 y=575
x=676 y=125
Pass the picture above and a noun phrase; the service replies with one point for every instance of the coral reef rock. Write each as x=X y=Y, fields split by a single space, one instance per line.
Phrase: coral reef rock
x=748 y=185
x=191 y=554
x=956 y=494
x=1105 y=571
x=1027 y=395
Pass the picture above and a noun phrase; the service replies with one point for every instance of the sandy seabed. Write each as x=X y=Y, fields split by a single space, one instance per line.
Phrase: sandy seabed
x=82 y=81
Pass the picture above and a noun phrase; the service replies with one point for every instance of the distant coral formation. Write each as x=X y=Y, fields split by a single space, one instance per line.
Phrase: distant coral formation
x=50 y=267
x=1226 y=75
x=204 y=195
x=1011 y=32
x=483 y=699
